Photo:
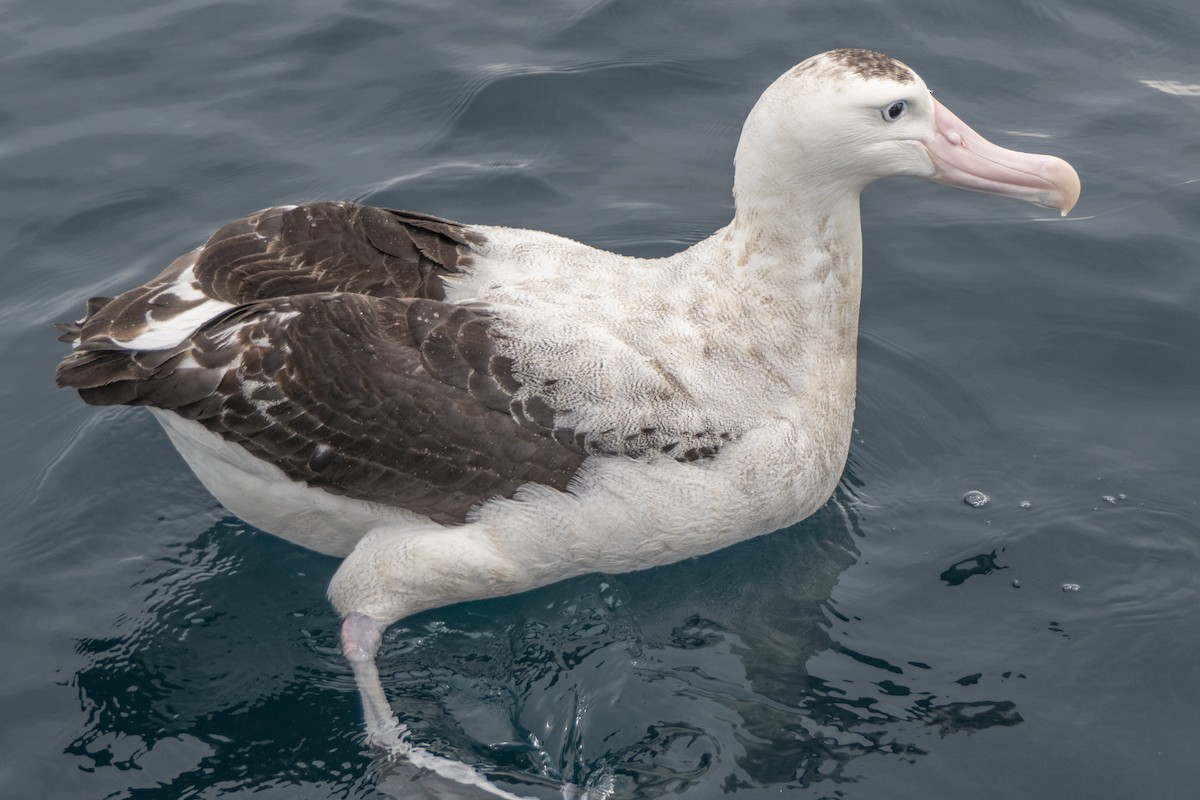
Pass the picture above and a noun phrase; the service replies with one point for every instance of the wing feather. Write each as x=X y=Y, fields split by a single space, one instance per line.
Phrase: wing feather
x=332 y=354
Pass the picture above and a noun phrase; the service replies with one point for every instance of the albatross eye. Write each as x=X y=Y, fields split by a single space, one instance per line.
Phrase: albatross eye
x=895 y=111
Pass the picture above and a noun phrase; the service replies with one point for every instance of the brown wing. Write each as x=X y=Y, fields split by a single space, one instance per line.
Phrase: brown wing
x=360 y=381
x=331 y=247
x=284 y=251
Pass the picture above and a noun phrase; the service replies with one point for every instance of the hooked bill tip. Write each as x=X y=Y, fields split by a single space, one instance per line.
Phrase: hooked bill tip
x=1066 y=180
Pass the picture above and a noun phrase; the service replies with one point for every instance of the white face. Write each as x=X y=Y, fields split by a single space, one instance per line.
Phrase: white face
x=844 y=119
x=825 y=124
x=878 y=128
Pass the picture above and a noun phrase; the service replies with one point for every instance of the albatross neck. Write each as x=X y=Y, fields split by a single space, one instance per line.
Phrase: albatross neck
x=806 y=250
x=788 y=279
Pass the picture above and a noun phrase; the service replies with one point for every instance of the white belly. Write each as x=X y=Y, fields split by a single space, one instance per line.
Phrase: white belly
x=618 y=515
x=262 y=495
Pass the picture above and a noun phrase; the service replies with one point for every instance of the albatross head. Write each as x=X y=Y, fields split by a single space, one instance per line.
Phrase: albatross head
x=844 y=119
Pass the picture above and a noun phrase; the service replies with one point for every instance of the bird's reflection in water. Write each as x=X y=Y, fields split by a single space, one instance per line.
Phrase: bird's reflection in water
x=694 y=679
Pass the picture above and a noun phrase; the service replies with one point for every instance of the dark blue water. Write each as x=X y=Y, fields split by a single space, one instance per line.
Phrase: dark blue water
x=898 y=644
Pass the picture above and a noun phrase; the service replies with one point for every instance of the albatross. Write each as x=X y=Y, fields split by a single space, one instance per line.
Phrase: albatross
x=465 y=411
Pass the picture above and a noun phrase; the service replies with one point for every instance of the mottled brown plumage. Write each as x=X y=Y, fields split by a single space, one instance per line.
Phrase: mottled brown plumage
x=336 y=354
x=870 y=65
x=283 y=251
x=866 y=64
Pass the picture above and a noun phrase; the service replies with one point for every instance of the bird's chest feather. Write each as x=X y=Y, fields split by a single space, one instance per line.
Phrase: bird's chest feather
x=644 y=359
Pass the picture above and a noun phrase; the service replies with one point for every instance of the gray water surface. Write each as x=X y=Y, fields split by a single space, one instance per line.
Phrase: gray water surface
x=899 y=644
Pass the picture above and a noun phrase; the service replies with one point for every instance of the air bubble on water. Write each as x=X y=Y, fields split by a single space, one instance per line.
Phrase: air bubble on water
x=1108 y=498
x=976 y=499
x=1070 y=587
x=1026 y=504
x=1016 y=584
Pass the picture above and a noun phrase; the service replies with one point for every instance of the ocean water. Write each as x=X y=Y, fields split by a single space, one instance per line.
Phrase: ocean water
x=898 y=644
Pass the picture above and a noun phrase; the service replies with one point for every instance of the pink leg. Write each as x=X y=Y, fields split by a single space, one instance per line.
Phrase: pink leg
x=361 y=636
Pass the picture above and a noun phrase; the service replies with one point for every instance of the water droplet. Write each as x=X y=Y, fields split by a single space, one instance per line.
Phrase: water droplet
x=976 y=498
x=1070 y=587
x=1026 y=504
x=1016 y=584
